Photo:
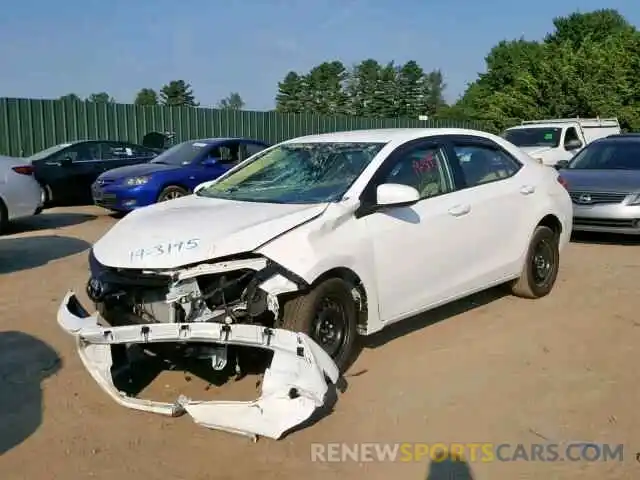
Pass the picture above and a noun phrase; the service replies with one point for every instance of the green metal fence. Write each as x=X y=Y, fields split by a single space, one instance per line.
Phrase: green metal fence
x=28 y=125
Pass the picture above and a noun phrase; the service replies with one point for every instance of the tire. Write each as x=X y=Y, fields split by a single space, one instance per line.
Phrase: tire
x=537 y=282
x=47 y=195
x=301 y=314
x=4 y=217
x=171 y=192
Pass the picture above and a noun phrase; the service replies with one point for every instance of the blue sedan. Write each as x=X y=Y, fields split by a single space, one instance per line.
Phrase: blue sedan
x=172 y=174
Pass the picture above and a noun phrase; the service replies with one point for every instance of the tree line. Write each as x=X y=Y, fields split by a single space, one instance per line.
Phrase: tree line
x=587 y=66
x=174 y=93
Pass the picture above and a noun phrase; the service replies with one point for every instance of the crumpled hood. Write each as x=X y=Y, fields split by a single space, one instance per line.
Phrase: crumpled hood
x=136 y=171
x=193 y=229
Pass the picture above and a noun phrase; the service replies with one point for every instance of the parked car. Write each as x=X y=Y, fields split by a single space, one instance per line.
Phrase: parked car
x=172 y=174
x=551 y=141
x=603 y=180
x=20 y=193
x=335 y=235
x=66 y=171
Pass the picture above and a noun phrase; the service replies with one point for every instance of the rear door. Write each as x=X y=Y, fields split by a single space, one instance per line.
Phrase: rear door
x=498 y=192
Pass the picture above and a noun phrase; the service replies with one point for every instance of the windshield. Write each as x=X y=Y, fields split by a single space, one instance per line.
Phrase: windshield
x=297 y=173
x=608 y=156
x=48 y=151
x=534 y=137
x=181 y=154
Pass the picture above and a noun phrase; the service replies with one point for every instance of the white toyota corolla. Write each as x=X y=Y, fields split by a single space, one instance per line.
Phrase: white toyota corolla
x=323 y=238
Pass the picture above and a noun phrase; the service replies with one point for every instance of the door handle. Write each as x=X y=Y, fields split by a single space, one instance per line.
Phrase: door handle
x=459 y=210
x=527 y=189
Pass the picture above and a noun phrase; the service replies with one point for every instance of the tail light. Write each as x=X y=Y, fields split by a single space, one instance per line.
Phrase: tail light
x=23 y=169
x=563 y=182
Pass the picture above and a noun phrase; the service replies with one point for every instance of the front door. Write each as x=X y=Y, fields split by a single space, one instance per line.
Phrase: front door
x=417 y=249
x=217 y=161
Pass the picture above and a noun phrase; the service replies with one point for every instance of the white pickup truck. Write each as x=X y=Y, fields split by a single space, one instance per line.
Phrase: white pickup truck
x=550 y=141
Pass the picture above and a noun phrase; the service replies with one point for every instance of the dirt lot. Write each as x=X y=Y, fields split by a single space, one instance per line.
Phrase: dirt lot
x=488 y=369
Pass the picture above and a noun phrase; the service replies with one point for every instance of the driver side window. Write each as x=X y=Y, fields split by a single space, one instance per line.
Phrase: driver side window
x=227 y=154
x=423 y=168
x=570 y=136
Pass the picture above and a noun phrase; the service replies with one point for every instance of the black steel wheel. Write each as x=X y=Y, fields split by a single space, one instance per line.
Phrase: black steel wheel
x=328 y=314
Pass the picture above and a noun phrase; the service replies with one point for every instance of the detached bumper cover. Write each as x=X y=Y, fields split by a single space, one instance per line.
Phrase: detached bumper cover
x=293 y=388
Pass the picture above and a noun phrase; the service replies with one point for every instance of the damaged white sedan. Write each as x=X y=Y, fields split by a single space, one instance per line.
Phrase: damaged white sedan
x=307 y=245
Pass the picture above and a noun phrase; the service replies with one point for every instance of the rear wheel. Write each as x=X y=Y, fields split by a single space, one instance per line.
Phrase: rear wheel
x=328 y=315
x=172 y=192
x=541 y=265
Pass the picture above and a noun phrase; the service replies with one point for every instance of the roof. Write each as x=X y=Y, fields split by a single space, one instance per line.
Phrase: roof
x=386 y=135
x=540 y=125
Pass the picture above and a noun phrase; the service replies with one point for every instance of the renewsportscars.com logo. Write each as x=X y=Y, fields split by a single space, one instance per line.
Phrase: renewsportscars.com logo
x=472 y=452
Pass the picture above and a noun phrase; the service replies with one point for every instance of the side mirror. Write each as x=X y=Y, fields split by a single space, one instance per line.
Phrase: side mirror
x=210 y=161
x=66 y=161
x=572 y=145
x=395 y=194
x=560 y=164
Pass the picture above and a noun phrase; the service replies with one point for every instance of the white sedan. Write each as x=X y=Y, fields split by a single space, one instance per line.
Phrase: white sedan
x=357 y=230
x=308 y=244
x=20 y=193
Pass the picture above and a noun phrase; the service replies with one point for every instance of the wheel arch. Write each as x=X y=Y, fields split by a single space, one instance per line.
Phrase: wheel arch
x=551 y=221
x=169 y=183
x=360 y=293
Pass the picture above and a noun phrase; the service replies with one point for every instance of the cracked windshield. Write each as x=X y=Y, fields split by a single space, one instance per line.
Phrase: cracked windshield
x=297 y=173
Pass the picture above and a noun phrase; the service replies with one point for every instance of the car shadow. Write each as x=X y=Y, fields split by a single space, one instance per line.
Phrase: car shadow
x=29 y=252
x=25 y=361
x=436 y=315
x=605 y=239
x=450 y=467
x=46 y=220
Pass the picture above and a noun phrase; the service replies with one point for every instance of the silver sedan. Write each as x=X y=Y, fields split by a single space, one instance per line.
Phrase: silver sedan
x=603 y=180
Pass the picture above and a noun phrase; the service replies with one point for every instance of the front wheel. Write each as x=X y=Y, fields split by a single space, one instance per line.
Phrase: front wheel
x=172 y=192
x=328 y=315
x=541 y=265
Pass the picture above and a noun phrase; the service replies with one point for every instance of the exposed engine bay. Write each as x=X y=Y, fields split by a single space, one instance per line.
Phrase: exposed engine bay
x=234 y=291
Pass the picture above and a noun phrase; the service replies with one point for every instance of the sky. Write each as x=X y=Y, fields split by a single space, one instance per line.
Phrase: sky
x=48 y=49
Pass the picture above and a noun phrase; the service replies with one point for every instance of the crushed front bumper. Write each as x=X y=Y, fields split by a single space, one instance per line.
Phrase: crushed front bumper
x=293 y=389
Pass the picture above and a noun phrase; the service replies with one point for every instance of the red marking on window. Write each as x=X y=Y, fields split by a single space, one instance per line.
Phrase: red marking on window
x=424 y=164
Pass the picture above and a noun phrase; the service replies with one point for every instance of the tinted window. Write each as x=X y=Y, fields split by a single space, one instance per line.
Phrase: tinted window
x=115 y=151
x=253 y=148
x=81 y=152
x=482 y=164
x=423 y=168
x=48 y=151
x=571 y=135
x=182 y=153
x=608 y=156
x=534 y=137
